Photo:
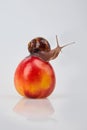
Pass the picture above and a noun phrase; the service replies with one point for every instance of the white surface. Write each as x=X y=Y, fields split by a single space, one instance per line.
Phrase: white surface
x=22 y=20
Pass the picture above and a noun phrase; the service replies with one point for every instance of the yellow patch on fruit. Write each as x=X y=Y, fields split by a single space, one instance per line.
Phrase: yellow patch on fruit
x=45 y=81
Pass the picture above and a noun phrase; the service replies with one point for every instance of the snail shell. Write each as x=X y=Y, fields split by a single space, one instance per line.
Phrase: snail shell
x=38 y=44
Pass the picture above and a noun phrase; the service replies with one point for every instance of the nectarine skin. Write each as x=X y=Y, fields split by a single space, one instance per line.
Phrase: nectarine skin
x=34 y=78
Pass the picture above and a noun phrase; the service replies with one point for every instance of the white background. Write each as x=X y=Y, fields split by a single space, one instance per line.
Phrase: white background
x=22 y=20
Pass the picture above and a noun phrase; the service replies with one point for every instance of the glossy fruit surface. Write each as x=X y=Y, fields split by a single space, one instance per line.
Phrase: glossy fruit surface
x=34 y=78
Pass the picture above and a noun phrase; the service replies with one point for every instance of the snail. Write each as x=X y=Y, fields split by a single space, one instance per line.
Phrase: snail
x=40 y=47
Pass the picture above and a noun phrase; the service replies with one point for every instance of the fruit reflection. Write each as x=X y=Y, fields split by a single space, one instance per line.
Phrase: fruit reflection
x=34 y=109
